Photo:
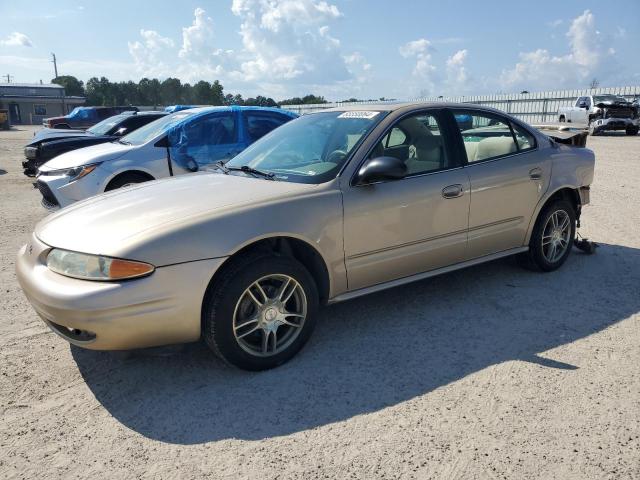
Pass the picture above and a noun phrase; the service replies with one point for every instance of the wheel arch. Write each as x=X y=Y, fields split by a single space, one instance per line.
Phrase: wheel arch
x=565 y=192
x=122 y=173
x=293 y=246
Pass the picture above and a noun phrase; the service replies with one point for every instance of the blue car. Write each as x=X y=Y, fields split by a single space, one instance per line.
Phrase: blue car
x=181 y=142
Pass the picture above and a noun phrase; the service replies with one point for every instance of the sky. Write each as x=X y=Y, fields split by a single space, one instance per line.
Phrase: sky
x=336 y=48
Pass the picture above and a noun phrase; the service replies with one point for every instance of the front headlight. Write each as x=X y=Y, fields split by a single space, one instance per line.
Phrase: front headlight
x=74 y=173
x=95 y=267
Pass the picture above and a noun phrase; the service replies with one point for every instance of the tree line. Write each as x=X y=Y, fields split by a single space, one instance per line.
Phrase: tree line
x=171 y=91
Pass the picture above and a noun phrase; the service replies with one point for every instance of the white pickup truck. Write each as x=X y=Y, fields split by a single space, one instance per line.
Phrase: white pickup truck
x=603 y=112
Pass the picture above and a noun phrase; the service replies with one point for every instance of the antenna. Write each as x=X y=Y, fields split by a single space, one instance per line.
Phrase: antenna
x=55 y=65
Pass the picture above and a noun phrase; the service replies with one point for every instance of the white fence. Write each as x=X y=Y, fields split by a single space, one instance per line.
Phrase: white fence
x=535 y=107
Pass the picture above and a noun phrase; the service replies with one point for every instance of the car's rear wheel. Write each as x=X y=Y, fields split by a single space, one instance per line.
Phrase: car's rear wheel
x=126 y=180
x=552 y=237
x=632 y=130
x=260 y=311
x=562 y=119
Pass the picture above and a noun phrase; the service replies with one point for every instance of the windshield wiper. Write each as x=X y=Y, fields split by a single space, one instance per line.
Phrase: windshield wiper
x=253 y=171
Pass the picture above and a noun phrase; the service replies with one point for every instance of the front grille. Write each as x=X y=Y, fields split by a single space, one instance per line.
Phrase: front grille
x=619 y=112
x=48 y=199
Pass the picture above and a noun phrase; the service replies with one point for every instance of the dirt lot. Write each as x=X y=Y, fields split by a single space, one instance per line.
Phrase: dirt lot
x=490 y=372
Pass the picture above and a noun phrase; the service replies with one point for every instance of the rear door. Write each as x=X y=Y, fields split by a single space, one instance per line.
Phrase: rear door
x=508 y=175
x=399 y=228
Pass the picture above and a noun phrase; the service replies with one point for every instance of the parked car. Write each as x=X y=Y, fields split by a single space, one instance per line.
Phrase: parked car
x=181 y=142
x=603 y=112
x=85 y=117
x=51 y=142
x=328 y=207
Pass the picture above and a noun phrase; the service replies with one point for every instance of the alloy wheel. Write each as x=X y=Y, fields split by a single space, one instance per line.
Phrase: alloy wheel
x=269 y=315
x=556 y=236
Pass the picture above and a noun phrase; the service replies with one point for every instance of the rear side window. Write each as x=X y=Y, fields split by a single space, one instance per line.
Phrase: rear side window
x=211 y=130
x=485 y=136
x=525 y=140
x=258 y=124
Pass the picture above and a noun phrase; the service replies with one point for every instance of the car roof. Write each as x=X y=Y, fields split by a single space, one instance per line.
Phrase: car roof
x=235 y=108
x=390 y=107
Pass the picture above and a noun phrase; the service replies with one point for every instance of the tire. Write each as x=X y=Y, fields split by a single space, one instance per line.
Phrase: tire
x=562 y=119
x=631 y=130
x=537 y=258
x=126 y=179
x=229 y=308
x=593 y=130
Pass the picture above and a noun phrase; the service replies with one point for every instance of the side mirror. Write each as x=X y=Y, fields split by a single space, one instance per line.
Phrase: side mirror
x=382 y=168
x=120 y=131
x=163 y=143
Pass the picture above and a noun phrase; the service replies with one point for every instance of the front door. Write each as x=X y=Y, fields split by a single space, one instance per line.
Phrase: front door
x=508 y=177
x=203 y=141
x=399 y=228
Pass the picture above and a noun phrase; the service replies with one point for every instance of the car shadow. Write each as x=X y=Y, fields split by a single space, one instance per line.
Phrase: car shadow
x=2 y=171
x=372 y=352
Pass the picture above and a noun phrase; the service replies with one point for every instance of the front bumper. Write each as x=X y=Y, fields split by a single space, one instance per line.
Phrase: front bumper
x=615 y=123
x=163 y=308
x=59 y=191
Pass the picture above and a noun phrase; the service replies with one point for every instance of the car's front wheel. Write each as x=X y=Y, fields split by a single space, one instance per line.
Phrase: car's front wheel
x=260 y=311
x=632 y=130
x=552 y=237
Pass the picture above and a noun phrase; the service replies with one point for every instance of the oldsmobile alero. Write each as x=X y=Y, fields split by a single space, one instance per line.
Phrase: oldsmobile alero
x=328 y=207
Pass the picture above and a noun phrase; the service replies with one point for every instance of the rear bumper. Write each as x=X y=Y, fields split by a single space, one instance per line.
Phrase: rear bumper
x=161 y=309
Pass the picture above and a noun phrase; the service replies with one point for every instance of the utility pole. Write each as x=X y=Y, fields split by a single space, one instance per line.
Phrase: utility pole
x=9 y=77
x=55 y=65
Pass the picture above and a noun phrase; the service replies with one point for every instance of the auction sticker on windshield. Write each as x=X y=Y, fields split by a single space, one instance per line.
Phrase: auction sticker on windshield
x=358 y=114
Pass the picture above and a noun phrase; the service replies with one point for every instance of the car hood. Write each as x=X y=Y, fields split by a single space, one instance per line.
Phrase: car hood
x=56 y=134
x=87 y=155
x=122 y=223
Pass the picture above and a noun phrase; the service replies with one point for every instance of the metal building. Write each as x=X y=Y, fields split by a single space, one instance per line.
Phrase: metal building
x=30 y=103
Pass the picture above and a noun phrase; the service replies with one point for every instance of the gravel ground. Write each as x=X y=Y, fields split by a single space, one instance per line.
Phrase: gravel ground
x=490 y=372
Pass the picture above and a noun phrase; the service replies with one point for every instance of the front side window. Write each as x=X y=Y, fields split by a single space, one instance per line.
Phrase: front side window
x=258 y=124
x=105 y=126
x=485 y=136
x=154 y=129
x=309 y=149
x=416 y=140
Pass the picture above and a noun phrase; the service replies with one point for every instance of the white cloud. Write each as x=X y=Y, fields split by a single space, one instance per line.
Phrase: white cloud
x=197 y=39
x=289 y=41
x=149 y=53
x=588 y=57
x=16 y=39
x=457 y=76
x=424 y=72
x=555 y=23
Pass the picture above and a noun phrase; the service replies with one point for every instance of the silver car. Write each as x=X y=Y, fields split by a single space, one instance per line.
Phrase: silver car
x=328 y=207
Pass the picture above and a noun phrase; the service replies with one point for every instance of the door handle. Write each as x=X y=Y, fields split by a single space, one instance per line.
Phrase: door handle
x=535 y=173
x=452 y=191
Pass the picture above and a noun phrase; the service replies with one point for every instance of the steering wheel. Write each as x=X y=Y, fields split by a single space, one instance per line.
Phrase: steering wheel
x=336 y=156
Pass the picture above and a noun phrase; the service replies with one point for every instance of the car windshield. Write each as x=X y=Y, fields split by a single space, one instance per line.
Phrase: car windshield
x=608 y=98
x=155 y=128
x=310 y=149
x=104 y=126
